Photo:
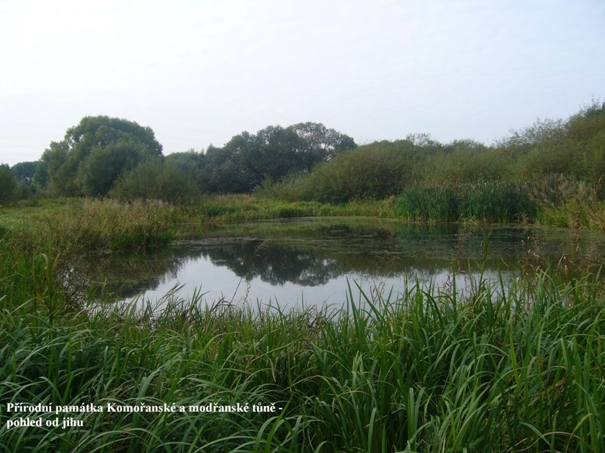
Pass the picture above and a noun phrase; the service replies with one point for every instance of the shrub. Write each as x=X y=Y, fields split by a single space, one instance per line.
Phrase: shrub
x=368 y=172
x=155 y=180
x=294 y=187
x=468 y=162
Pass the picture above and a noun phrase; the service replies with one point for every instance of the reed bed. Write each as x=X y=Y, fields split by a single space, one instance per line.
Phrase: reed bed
x=498 y=368
x=95 y=225
x=238 y=208
x=554 y=200
x=570 y=203
x=490 y=201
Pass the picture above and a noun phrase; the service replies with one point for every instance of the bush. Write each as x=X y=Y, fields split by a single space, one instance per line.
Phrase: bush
x=294 y=187
x=468 y=162
x=574 y=148
x=368 y=172
x=155 y=180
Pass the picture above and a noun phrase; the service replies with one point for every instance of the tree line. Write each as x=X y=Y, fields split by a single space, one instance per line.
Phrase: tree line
x=104 y=156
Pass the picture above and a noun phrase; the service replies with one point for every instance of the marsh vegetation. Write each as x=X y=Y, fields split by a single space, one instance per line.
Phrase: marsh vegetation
x=513 y=365
x=492 y=370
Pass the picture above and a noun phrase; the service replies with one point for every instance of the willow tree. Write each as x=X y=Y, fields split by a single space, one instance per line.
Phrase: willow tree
x=94 y=154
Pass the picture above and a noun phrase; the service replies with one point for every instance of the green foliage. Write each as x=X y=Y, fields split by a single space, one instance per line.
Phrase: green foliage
x=466 y=161
x=308 y=162
x=93 y=154
x=368 y=172
x=105 y=164
x=247 y=159
x=569 y=203
x=155 y=180
x=8 y=184
x=25 y=171
x=73 y=227
x=294 y=187
x=461 y=180
x=438 y=202
x=494 y=201
x=574 y=148
x=423 y=372
x=24 y=174
x=190 y=163
x=56 y=172
x=102 y=131
x=319 y=144
x=41 y=178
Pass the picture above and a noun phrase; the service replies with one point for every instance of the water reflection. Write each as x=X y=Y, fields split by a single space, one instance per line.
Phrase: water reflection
x=312 y=259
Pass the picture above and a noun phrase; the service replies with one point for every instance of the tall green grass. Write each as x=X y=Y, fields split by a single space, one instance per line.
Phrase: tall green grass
x=569 y=203
x=492 y=201
x=93 y=224
x=238 y=208
x=500 y=368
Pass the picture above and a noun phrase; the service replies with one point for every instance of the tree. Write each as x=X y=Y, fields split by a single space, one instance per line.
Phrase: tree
x=104 y=164
x=25 y=171
x=24 y=175
x=93 y=154
x=247 y=160
x=272 y=153
x=320 y=144
x=8 y=184
x=191 y=163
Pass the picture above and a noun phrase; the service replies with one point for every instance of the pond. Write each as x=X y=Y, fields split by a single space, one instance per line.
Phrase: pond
x=313 y=261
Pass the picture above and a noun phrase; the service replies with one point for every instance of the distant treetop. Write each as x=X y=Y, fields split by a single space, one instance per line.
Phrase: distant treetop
x=93 y=154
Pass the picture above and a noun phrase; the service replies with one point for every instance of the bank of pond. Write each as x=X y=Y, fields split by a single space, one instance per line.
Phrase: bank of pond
x=434 y=337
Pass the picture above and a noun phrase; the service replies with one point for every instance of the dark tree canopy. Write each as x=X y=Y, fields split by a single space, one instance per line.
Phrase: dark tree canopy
x=8 y=184
x=102 y=131
x=190 y=163
x=93 y=154
x=104 y=164
x=319 y=143
x=25 y=171
x=248 y=160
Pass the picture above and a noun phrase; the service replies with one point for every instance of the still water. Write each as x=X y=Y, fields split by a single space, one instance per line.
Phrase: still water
x=312 y=261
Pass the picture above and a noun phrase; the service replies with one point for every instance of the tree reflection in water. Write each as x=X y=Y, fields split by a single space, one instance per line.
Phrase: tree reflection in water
x=313 y=254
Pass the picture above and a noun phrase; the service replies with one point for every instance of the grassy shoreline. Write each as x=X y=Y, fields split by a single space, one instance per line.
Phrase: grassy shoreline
x=516 y=370
x=85 y=224
x=493 y=371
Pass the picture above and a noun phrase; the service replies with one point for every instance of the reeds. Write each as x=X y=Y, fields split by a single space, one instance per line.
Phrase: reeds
x=491 y=201
x=86 y=225
x=569 y=203
x=499 y=368
x=238 y=208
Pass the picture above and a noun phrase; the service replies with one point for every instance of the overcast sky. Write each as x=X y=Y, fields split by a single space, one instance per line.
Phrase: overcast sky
x=199 y=72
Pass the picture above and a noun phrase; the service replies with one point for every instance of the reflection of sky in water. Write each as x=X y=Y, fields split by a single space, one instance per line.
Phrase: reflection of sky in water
x=219 y=282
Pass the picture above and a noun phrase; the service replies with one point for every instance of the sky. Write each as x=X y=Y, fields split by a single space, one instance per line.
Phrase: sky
x=199 y=72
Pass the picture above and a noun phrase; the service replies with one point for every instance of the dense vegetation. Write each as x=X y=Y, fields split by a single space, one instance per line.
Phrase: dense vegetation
x=550 y=172
x=499 y=369
x=502 y=368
